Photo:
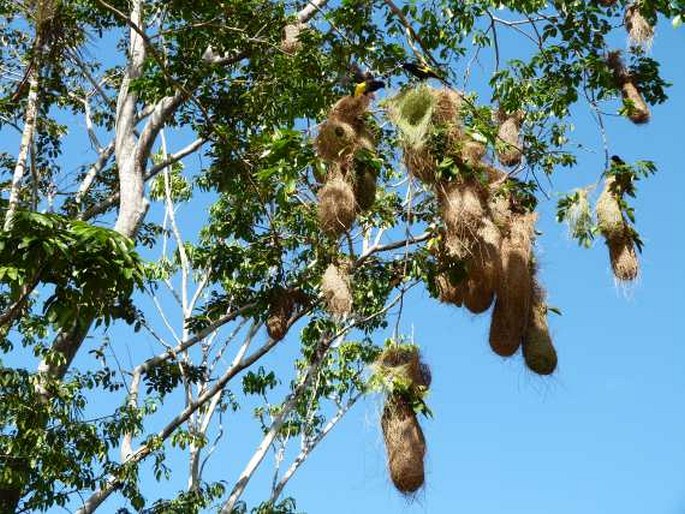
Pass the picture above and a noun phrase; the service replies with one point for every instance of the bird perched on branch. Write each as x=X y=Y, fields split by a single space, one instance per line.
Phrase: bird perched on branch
x=421 y=71
x=617 y=160
x=364 y=82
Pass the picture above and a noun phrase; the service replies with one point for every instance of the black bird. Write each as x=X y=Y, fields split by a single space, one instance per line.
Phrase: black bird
x=364 y=82
x=421 y=71
x=617 y=160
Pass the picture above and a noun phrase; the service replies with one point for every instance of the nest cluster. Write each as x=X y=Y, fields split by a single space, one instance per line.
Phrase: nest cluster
x=485 y=251
x=347 y=145
x=405 y=444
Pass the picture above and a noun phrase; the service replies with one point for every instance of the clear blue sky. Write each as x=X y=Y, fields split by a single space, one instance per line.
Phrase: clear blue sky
x=606 y=433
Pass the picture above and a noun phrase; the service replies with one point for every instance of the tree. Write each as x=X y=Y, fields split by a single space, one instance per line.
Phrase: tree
x=95 y=260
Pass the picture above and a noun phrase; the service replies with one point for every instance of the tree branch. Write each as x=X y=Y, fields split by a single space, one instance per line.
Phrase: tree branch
x=104 y=155
x=310 y=446
x=151 y=173
x=309 y=10
x=24 y=146
x=99 y=496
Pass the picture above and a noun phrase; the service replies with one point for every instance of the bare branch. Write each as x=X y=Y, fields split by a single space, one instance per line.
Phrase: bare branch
x=96 y=499
x=104 y=155
x=308 y=11
x=310 y=446
x=303 y=16
x=171 y=213
x=152 y=172
x=376 y=248
x=325 y=346
x=410 y=29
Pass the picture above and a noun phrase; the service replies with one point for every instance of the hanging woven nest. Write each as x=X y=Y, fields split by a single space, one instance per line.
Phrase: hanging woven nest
x=617 y=232
x=515 y=288
x=335 y=286
x=403 y=363
x=538 y=350
x=448 y=106
x=337 y=207
x=449 y=291
x=609 y=216
x=462 y=210
x=281 y=307
x=430 y=129
x=401 y=366
x=640 y=32
x=405 y=445
x=623 y=257
x=291 y=43
x=365 y=188
x=336 y=141
x=364 y=175
x=351 y=110
x=508 y=143
x=472 y=152
x=634 y=103
x=483 y=269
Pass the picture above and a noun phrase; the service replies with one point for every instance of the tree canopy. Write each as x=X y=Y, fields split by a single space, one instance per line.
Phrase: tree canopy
x=194 y=185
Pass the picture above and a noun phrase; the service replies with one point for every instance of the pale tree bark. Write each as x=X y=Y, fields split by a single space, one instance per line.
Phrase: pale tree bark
x=30 y=119
x=131 y=186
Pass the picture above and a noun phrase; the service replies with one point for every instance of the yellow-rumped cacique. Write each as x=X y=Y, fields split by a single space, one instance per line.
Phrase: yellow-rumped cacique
x=421 y=71
x=364 y=82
